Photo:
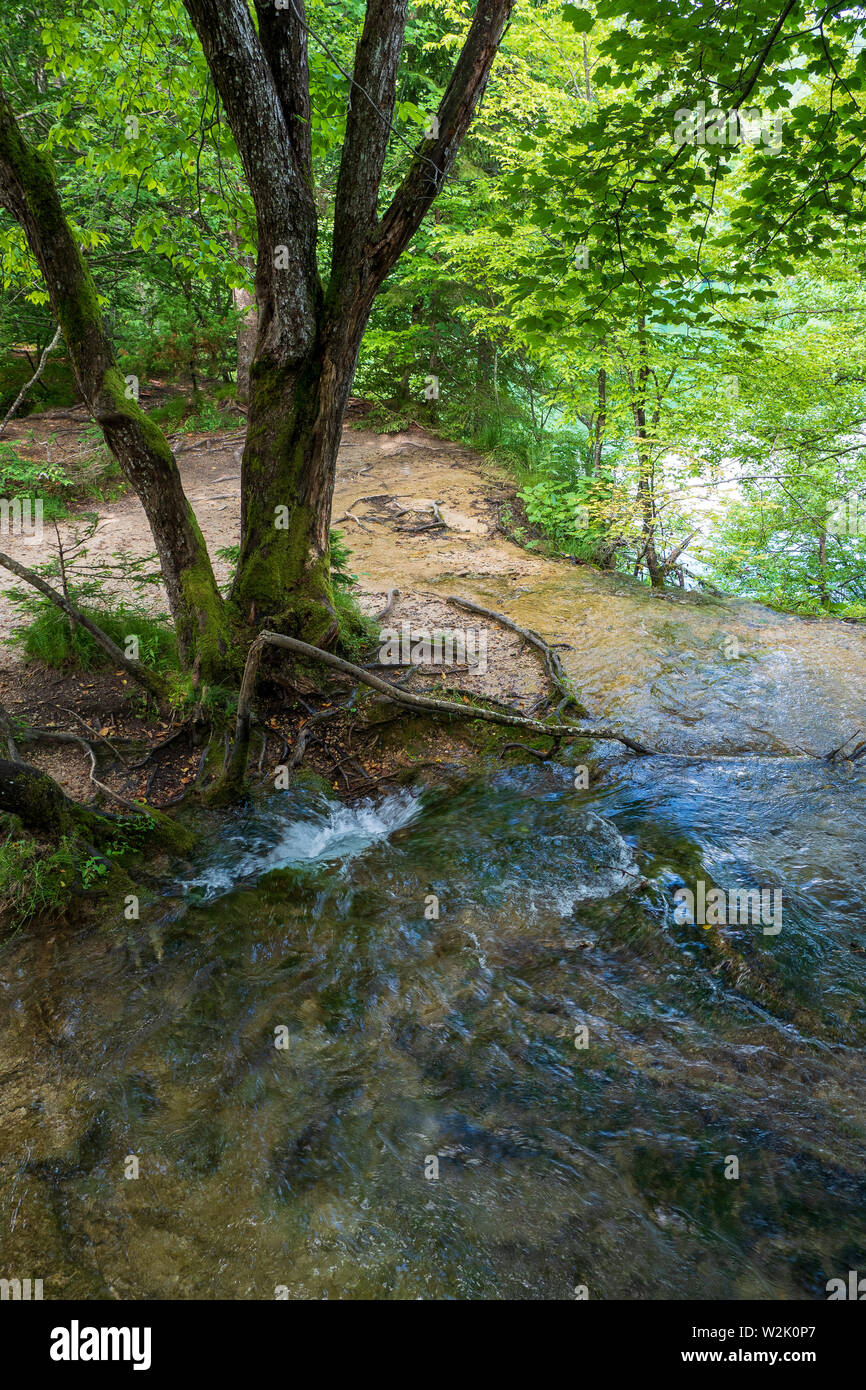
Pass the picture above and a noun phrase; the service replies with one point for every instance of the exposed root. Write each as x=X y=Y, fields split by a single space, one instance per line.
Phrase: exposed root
x=553 y=665
x=235 y=770
x=393 y=595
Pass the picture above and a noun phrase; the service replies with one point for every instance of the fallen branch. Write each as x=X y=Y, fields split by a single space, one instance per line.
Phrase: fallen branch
x=140 y=674
x=833 y=751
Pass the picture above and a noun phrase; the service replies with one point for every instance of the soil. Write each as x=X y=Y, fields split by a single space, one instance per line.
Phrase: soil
x=390 y=484
x=686 y=674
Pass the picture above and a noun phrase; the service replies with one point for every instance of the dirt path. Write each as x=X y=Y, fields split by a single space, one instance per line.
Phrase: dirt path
x=681 y=671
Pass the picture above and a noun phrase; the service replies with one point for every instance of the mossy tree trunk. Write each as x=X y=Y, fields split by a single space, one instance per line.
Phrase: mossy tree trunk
x=29 y=192
x=43 y=807
x=309 y=333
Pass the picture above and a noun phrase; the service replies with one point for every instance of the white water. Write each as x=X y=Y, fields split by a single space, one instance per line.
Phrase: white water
x=333 y=832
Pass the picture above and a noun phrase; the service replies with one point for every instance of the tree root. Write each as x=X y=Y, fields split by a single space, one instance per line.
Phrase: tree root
x=234 y=774
x=553 y=665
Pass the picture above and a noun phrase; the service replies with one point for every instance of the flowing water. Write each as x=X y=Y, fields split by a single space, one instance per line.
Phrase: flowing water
x=406 y=1038
x=344 y=1046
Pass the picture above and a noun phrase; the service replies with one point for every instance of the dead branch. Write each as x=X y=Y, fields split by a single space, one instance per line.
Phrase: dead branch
x=140 y=674
x=46 y=353
x=61 y=736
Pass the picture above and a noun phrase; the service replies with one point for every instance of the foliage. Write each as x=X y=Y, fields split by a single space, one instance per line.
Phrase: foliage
x=660 y=336
x=49 y=637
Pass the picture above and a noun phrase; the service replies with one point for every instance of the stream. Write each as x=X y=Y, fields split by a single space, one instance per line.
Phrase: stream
x=457 y=1043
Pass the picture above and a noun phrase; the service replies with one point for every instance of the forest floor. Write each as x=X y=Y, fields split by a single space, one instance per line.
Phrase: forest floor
x=424 y=516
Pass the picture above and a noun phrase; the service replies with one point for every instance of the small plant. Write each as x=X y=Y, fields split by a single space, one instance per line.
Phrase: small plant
x=340 y=556
x=48 y=635
x=35 y=879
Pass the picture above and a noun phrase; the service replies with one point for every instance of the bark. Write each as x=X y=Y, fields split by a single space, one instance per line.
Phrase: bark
x=248 y=330
x=29 y=192
x=42 y=806
x=309 y=335
x=600 y=423
x=646 y=496
x=483 y=383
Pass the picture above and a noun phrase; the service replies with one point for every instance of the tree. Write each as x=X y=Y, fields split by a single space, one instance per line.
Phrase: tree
x=309 y=332
x=29 y=192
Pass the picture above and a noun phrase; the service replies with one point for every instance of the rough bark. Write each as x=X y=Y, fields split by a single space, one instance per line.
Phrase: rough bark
x=29 y=192
x=42 y=806
x=645 y=489
x=309 y=337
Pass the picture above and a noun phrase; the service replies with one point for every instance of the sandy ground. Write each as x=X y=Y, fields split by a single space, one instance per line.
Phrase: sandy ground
x=681 y=672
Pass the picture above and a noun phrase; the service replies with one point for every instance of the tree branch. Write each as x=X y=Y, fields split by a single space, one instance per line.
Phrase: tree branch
x=29 y=192
x=140 y=674
x=283 y=37
x=288 y=294
x=368 y=127
x=434 y=158
x=235 y=770
x=28 y=386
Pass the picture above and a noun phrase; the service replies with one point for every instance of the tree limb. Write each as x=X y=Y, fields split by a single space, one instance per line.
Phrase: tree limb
x=28 y=190
x=434 y=158
x=368 y=127
x=151 y=682
x=555 y=669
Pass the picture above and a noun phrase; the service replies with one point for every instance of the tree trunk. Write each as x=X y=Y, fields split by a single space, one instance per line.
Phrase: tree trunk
x=645 y=491
x=248 y=330
x=42 y=806
x=483 y=383
x=28 y=191
x=289 y=467
x=309 y=337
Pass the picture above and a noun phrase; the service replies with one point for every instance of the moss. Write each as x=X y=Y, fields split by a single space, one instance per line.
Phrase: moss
x=58 y=880
x=167 y=834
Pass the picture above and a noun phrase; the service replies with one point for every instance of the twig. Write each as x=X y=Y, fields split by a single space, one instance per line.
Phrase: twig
x=833 y=751
x=95 y=734
x=46 y=353
x=61 y=736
